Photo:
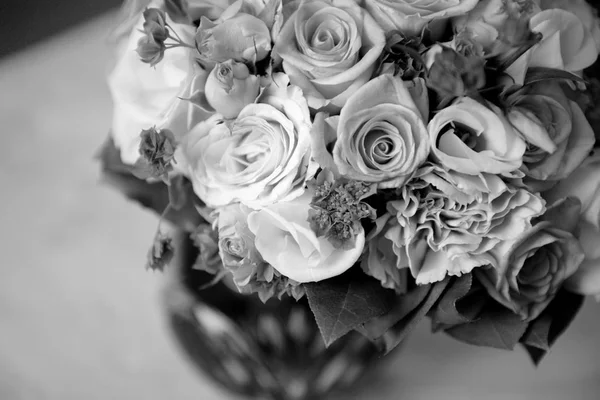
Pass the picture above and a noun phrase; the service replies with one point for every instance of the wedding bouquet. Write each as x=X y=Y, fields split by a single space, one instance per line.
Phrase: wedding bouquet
x=387 y=160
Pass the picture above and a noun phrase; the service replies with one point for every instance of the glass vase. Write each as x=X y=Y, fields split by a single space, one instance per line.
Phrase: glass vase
x=271 y=350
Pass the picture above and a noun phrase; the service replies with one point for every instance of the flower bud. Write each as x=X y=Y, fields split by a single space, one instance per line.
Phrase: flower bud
x=452 y=74
x=230 y=87
x=155 y=24
x=241 y=38
x=150 y=51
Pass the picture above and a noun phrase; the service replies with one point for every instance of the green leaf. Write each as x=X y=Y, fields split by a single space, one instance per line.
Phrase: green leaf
x=448 y=311
x=550 y=324
x=342 y=303
x=541 y=74
x=153 y=195
x=497 y=327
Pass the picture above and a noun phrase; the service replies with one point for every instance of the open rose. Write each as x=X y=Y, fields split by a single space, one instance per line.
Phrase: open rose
x=566 y=44
x=381 y=136
x=285 y=240
x=410 y=17
x=584 y=184
x=146 y=97
x=583 y=10
x=558 y=134
x=250 y=272
x=471 y=138
x=260 y=157
x=329 y=49
x=529 y=270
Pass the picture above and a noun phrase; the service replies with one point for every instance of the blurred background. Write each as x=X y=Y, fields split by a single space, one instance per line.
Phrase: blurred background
x=80 y=318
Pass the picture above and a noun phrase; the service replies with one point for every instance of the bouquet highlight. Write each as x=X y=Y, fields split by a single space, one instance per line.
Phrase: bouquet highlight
x=387 y=160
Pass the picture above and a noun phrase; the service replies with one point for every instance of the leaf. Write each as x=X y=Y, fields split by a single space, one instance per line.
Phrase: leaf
x=446 y=313
x=554 y=320
x=497 y=327
x=402 y=328
x=342 y=303
x=403 y=305
x=153 y=195
x=177 y=10
x=541 y=74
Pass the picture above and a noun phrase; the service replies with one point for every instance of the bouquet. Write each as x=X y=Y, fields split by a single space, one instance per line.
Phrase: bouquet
x=387 y=160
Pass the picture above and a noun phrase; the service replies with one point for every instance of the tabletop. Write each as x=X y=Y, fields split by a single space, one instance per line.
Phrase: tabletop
x=79 y=315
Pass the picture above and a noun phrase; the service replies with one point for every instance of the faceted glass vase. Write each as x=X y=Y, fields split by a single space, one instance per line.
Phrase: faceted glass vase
x=257 y=350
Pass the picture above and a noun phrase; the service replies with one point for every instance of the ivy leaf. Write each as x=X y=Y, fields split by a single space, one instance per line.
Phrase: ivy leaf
x=541 y=74
x=547 y=328
x=177 y=10
x=497 y=327
x=402 y=328
x=449 y=310
x=342 y=303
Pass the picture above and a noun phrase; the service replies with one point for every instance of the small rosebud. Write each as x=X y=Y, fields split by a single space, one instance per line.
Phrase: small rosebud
x=452 y=74
x=150 y=51
x=157 y=148
x=155 y=24
x=161 y=253
x=242 y=38
x=230 y=87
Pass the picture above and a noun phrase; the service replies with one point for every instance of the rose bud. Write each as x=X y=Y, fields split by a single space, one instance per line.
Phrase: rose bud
x=155 y=24
x=150 y=51
x=241 y=38
x=452 y=74
x=230 y=87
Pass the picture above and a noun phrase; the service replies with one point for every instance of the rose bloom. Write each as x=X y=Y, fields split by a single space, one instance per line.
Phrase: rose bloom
x=446 y=223
x=261 y=157
x=286 y=241
x=558 y=134
x=230 y=87
x=381 y=136
x=529 y=270
x=410 y=17
x=566 y=44
x=470 y=138
x=584 y=184
x=329 y=49
x=250 y=273
x=583 y=10
x=236 y=35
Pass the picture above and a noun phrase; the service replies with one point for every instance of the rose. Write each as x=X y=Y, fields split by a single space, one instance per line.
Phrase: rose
x=260 y=157
x=286 y=241
x=410 y=17
x=381 y=136
x=583 y=10
x=499 y=26
x=565 y=45
x=236 y=35
x=329 y=49
x=471 y=138
x=250 y=272
x=529 y=270
x=584 y=184
x=446 y=223
x=145 y=97
x=230 y=87
x=558 y=134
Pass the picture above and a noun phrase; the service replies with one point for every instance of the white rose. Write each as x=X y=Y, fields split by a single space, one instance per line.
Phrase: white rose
x=285 y=240
x=144 y=96
x=583 y=10
x=260 y=157
x=471 y=138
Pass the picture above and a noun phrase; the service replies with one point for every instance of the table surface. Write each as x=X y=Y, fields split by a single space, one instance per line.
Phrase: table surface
x=80 y=317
